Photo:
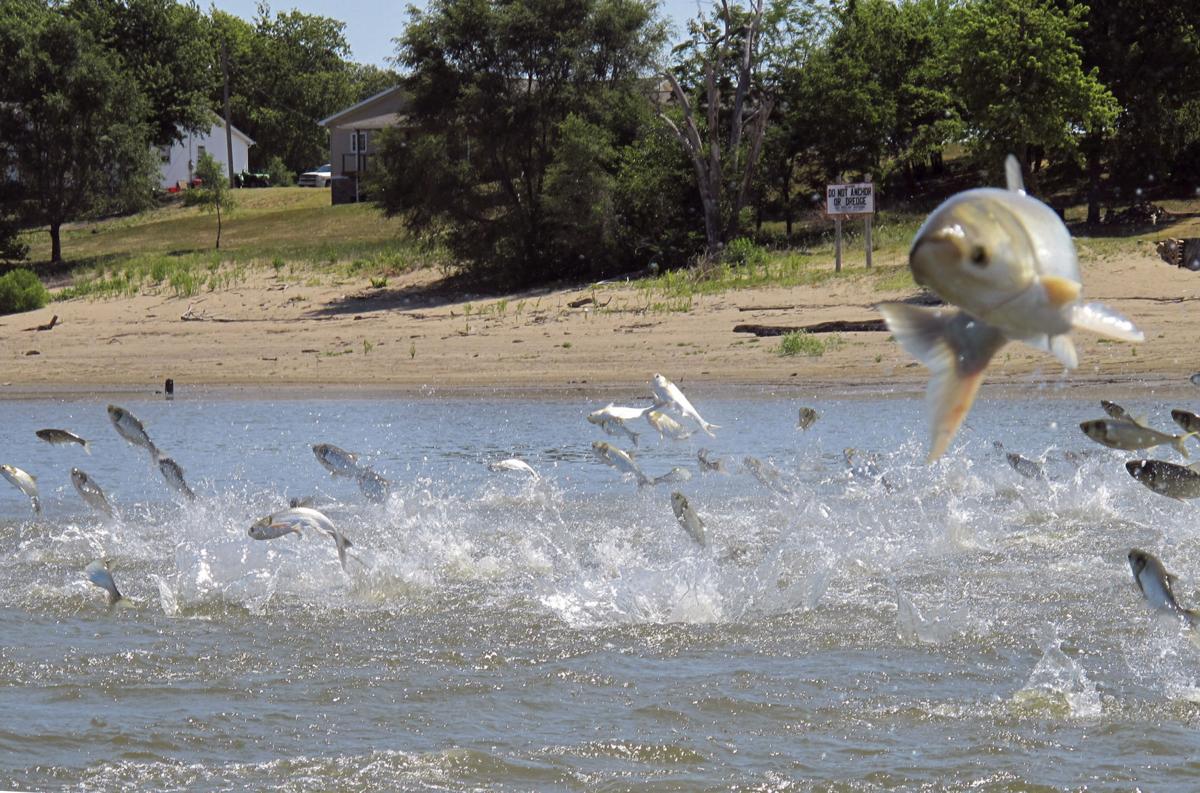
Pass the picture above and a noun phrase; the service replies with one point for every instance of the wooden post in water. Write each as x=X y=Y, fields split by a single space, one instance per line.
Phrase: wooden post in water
x=867 y=231
x=837 y=244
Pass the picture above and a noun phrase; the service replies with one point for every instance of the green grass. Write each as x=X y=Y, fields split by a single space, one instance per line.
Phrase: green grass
x=291 y=230
x=801 y=343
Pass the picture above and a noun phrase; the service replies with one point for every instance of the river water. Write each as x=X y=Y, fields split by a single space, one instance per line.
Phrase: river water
x=882 y=625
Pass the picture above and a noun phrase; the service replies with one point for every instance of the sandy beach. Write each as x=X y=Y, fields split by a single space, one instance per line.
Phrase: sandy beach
x=272 y=331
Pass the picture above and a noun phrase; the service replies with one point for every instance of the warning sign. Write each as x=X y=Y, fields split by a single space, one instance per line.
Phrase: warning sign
x=850 y=199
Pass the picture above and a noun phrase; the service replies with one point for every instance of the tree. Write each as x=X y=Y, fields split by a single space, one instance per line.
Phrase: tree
x=163 y=46
x=1147 y=52
x=1022 y=81
x=74 y=124
x=286 y=72
x=518 y=108
x=213 y=194
x=727 y=50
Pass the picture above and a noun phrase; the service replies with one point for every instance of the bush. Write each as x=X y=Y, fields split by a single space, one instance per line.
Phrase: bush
x=280 y=175
x=20 y=290
x=801 y=343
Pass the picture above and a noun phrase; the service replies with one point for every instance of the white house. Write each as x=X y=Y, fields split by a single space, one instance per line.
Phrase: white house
x=179 y=160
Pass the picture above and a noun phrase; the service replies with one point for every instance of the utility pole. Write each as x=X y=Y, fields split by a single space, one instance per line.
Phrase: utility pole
x=228 y=125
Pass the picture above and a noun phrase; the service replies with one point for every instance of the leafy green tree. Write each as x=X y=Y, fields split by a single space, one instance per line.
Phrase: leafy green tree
x=287 y=71
x=73 y=123
x=163 y=46
x=21 y=290
x=1023 y=83
x=505 y=95
x=213 y=194
x=1148 y=54
x=366 y=80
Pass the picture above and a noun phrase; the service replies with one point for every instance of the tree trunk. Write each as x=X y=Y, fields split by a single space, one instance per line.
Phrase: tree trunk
x=218 y=225
x=787 y=202
x=55 y=243
x=1093 y=193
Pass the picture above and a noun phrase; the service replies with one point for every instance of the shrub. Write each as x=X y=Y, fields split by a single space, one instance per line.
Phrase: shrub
x=800 y=343
x=280 y=175
x=20 y=290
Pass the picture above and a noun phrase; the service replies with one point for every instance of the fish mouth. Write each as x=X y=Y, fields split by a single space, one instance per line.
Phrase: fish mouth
x=937 y=250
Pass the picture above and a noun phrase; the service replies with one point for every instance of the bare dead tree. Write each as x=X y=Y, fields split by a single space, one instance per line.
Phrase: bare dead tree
x=724 y=186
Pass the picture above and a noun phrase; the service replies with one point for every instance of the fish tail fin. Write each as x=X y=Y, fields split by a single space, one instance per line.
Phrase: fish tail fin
x=957 y=349
x=1179 y=440
x=1103 y=320
x=87 y=447
x=1012 y=175
x=1064 y=350
x=635 y=436
x=708 y=429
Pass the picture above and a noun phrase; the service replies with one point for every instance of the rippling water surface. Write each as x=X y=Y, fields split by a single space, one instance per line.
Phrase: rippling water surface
x=886 y=625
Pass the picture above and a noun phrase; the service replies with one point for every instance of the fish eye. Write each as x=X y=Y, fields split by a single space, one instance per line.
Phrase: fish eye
x=979 y=256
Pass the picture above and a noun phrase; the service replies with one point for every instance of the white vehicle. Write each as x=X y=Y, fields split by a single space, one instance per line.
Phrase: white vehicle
x=320 y=177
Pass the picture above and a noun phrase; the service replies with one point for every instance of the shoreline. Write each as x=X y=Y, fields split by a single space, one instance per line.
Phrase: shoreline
x=292 y=337
x=1165 y=386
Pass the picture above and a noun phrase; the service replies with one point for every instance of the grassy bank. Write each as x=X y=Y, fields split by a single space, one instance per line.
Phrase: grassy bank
x=291 y=229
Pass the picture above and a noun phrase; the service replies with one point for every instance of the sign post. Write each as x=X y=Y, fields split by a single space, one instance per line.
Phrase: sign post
x=850 y=199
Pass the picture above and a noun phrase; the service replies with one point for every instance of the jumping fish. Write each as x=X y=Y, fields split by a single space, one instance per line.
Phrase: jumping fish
x=612 y=420
x=99 y=573
x=709 y=464
x=1129 y=436
x=808 y=417
x=24 y=482
x=667 y=427
x=1119 y=413
x=372 y=485
x=1154 y=582
x=766 y=474
x=1167 y=479
x=688 y=518
x=129 y=428
x=174 y=476
x=620 y=460
x=675 y=475
x=297 y=520
x=90 y=492
x=1006 y=263
x=60 y=437
x=337 y=461
x=1025 y=467
x=513 y=464
x=667 y=394
x=1187 y=420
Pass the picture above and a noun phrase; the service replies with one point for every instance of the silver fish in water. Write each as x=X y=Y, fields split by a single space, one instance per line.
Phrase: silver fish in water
x=513 y=464
x=1154 y=582
x=298 y=520
x=688 y=519
x=24 y=482
x=1187 y=420
x=99 y=573
x=132 y=430
x=620 y=460
x=808 y=417
x=667 y=394
x=61 y=437
x=612 y=420
x=1128 y=436
x=667 y=427
x=373 y=486
x=173 y=474
x=1007 y=264
x=337 y=461
x=1167 y=479
x=90 y=492
x=709 y=464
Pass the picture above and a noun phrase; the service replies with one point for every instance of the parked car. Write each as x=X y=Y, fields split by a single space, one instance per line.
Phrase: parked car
x=318 y=177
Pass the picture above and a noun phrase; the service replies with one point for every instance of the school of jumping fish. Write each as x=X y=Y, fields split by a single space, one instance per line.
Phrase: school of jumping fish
x=1005 y=265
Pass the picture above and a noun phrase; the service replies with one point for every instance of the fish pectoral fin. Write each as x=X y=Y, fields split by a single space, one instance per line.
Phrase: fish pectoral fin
x=1060 y=291
x=1101 y=319
x=957 y=349
x=1012 y=175
x=1064 y=350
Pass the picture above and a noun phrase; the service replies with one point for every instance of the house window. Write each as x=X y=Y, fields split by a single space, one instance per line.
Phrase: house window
x=164 y=153
x=358 y=143
x=200 y=152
